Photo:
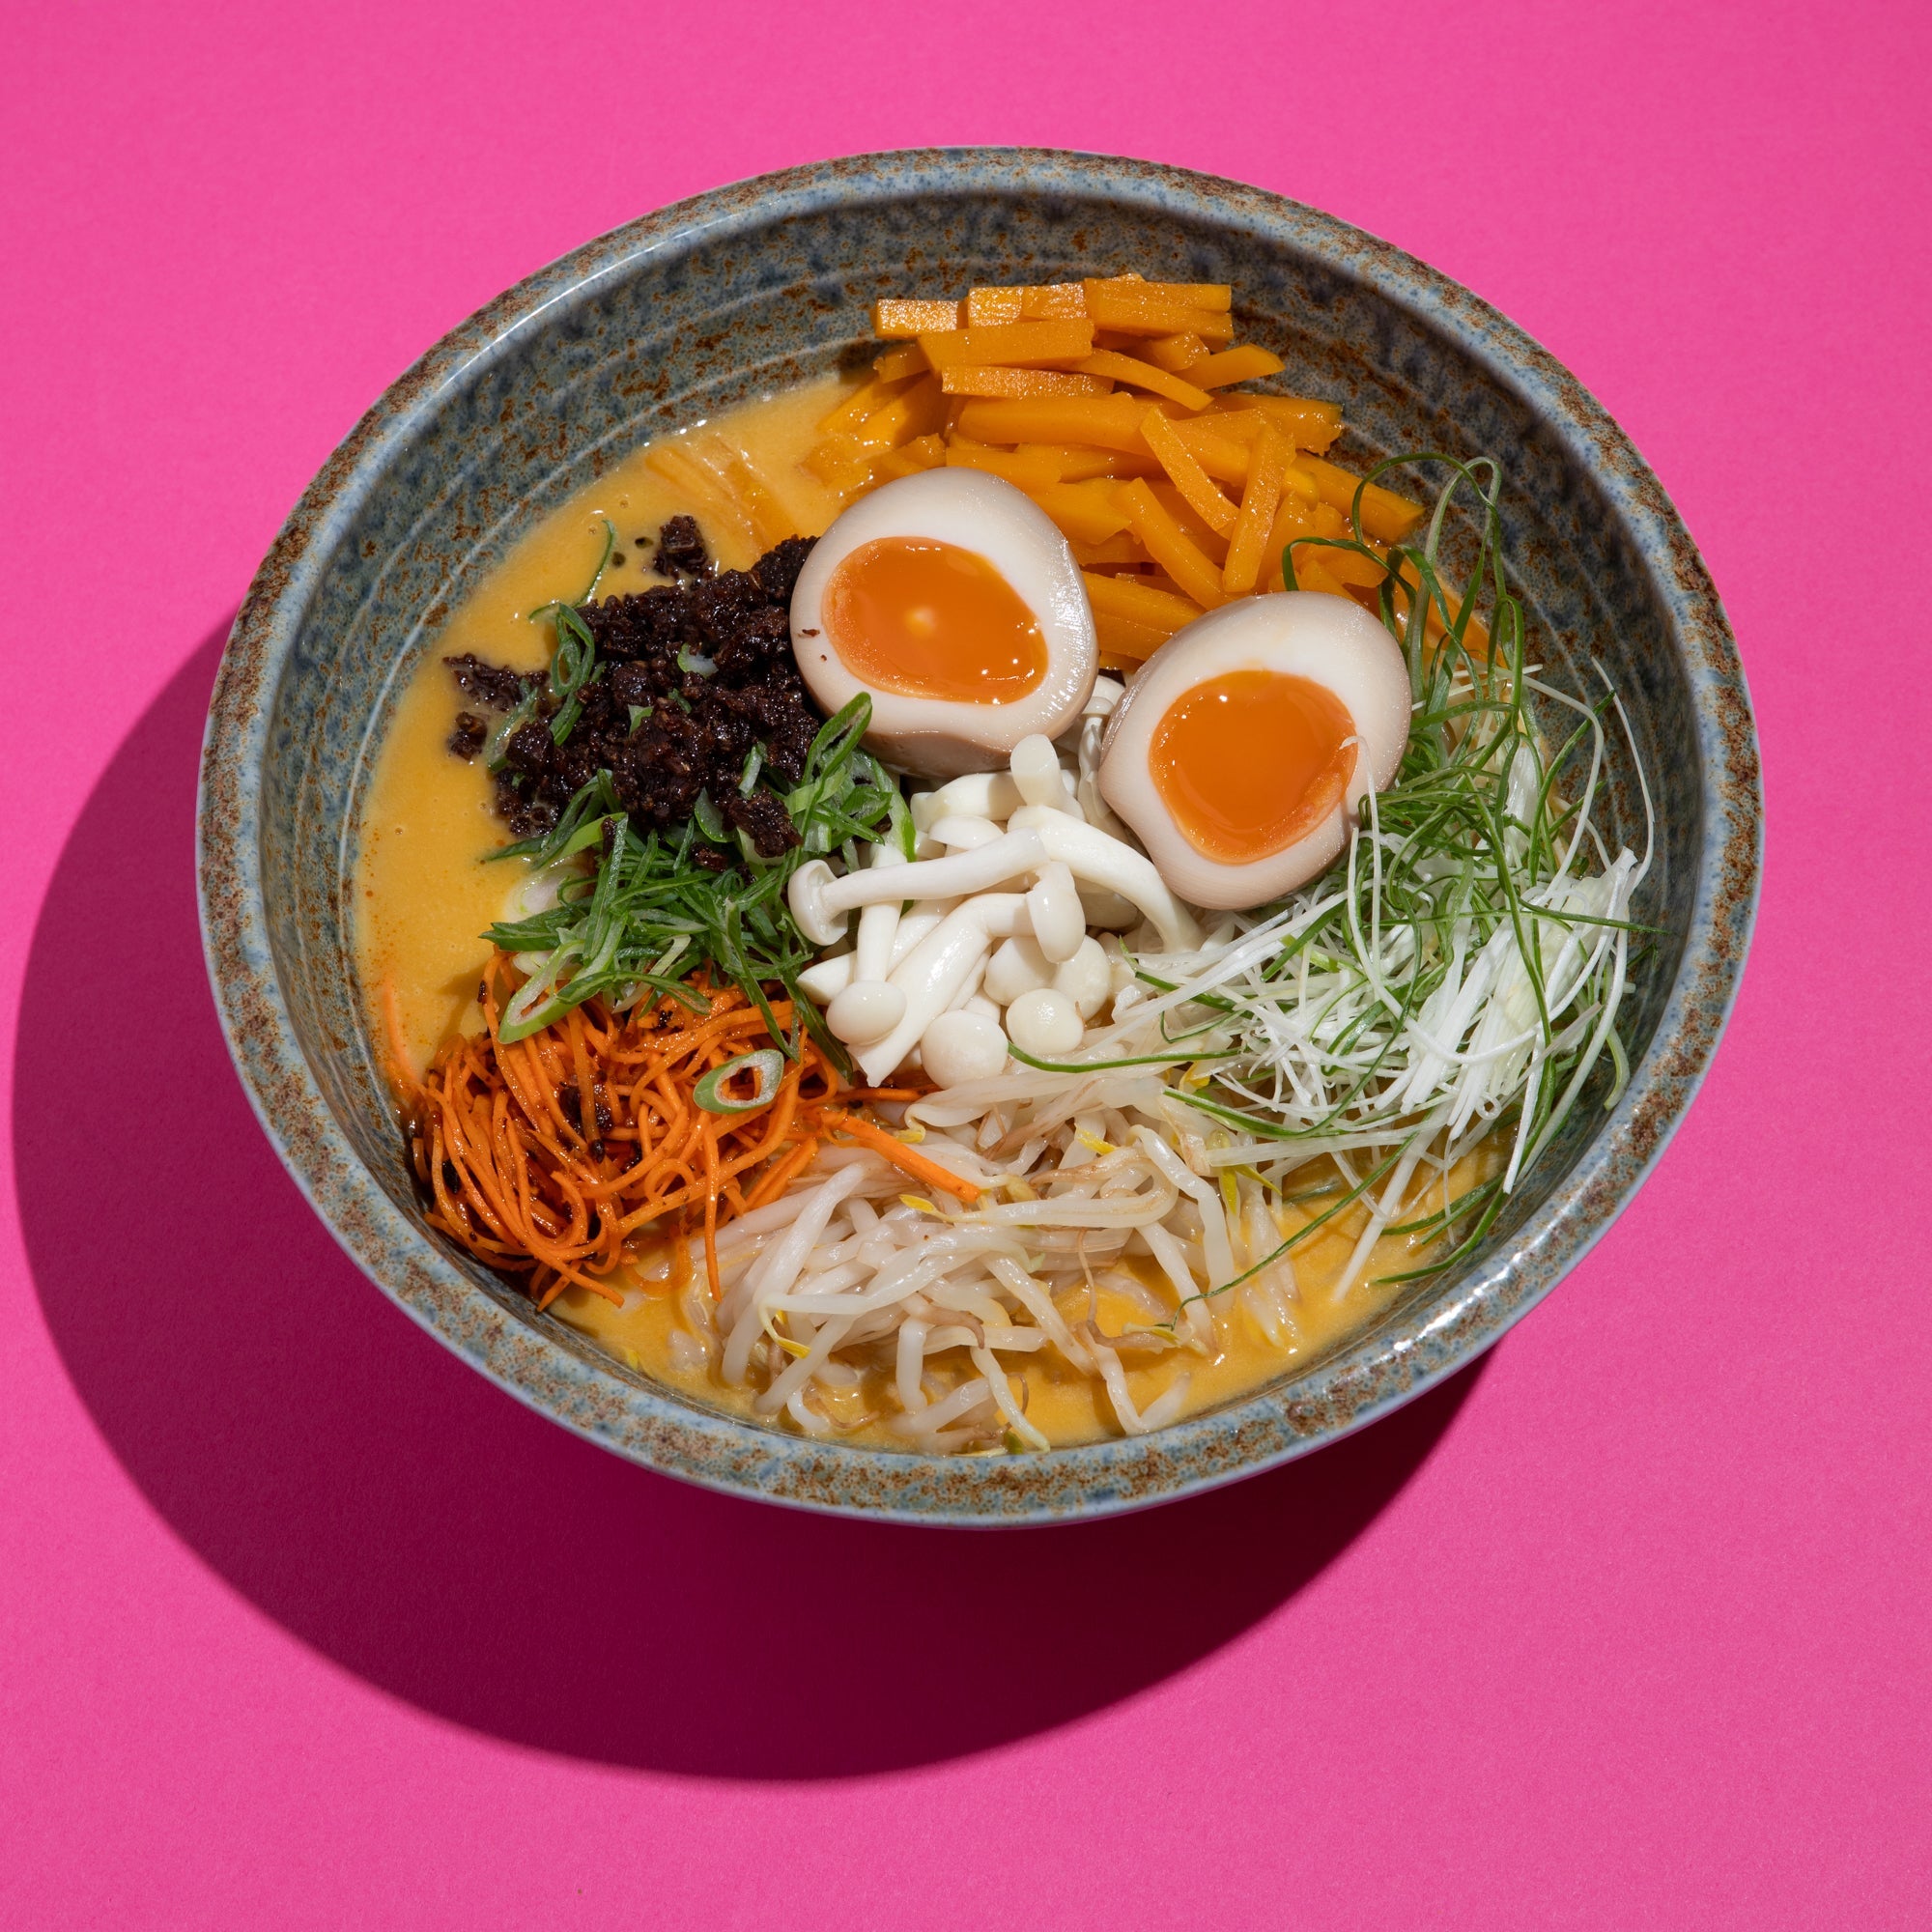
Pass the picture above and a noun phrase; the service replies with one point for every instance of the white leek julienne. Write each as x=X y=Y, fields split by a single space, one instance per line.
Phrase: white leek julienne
x=1324 y=1063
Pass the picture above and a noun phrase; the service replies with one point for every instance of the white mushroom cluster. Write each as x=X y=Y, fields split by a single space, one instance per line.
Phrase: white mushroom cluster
x=986 y=935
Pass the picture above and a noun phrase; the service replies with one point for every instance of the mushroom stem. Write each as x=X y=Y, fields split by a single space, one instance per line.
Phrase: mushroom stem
x=878 y=922
x=1035 y=835
x=1097 y=859
x=943 y=964
x=819 y=901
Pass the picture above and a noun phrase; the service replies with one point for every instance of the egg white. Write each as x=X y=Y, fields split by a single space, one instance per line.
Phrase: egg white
x=944 y=738
x=1328 y=640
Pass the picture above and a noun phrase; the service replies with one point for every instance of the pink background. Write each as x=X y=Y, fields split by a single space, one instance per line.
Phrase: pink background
x=300 y=1623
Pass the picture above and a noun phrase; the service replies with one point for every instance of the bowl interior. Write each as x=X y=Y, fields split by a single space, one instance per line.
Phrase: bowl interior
x=747 y=291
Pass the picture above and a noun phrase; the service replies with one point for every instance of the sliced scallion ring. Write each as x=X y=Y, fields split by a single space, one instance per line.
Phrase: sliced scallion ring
x=766 y=1065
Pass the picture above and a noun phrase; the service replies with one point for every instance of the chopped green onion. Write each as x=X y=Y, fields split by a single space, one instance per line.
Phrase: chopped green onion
x=767 y=1068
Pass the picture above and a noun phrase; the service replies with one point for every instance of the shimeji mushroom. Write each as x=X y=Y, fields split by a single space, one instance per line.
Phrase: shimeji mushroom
x=1036 y=837
x=940 y=968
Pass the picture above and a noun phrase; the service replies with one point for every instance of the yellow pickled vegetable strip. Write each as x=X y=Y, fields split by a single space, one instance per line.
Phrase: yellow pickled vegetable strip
x=1169 y=545
x=1229 y=425
x=1306 y=423
x=897 y=365
x=1123 y=637
x=1210 y=542
x=994 y=307
x=1031 y=470
x=1296 y=518
x=1122 y=549
x=1259 y=501
x=771 y=522
x=912 y=412
x=861 y=403
x=1346 y=566
x=1144 y=376
x=997 y=380
x=897 y=319
x=1188 y=477
x=1234 y=366
x=1113 y=422
x=1133 y=312
x=1190 y=295
x=1077 y=463
x=1222 y=458
x=1030 y=342
x=1140 y=603
x=1311 y=576
x=682 y=470
x=840 y=462
x=1385 y=516
x=925 y=452
x=1086 y=512
x=1049 y=302
x=1175 y=352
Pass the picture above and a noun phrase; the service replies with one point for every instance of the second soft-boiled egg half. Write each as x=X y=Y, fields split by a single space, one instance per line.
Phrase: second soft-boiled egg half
x=1240 y=753
x=953 y=602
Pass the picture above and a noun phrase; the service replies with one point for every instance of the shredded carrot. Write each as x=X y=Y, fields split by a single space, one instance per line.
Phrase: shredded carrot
x=562 y=1156
x=870 y=1134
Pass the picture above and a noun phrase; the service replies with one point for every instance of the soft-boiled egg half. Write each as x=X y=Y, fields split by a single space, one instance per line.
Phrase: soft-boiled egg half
x=953 y=602
x=1240 y=753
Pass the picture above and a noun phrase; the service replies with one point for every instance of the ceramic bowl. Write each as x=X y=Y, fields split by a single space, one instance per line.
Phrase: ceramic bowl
x=735 y=293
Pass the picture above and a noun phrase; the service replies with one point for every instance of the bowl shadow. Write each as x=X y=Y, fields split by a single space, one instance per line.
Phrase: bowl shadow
x=381 y=1501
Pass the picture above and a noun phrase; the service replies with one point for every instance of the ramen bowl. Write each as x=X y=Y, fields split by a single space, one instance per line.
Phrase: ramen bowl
x=757 y=286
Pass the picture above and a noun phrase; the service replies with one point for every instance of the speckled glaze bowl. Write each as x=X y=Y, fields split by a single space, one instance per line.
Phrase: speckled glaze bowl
x=755 y=285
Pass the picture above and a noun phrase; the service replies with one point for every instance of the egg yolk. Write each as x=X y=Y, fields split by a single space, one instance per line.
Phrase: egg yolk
x=922 y=618
x=1251 y=761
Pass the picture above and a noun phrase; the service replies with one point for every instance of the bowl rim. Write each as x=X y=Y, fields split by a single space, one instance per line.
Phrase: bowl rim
x=1381 y=1368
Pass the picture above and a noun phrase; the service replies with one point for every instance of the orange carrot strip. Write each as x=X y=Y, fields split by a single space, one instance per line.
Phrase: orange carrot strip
x=922 y=452
x=1385 y=516
x=894 y=319
x=1122 y=549
x=711 y=1216
x=1259 y=502
x=901 y=1156
x=1146 y=376
x=1132 y=313
x=1169 y=545
x=896 y=364
x=1050 y=302
x=1216 y=295
x=1111 y=422
x=1139 y=603
x=780 y=1176
x=1029 y=342
x=1088 y=512
x=1306 y=423
x=1188 y=477
x=1033 y=467
x=1123 y=637
x=971 y=378
x=1234 y=366
x=1172 y=351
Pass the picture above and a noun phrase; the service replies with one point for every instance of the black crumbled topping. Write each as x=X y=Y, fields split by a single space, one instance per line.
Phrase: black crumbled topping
x=665 y=730
x=467 y=740
x=491 y=686
x=681 y=551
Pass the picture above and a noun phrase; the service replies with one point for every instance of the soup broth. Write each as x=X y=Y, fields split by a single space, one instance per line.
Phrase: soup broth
x=426 y=889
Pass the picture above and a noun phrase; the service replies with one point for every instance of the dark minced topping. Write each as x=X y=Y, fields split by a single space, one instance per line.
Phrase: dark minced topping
x=681 y=551
x=665 y=730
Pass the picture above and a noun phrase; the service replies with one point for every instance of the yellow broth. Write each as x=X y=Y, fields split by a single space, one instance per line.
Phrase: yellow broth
x=425 y=891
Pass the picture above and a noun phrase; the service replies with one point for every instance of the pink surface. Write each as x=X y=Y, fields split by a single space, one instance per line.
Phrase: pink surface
x=303 y=1624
